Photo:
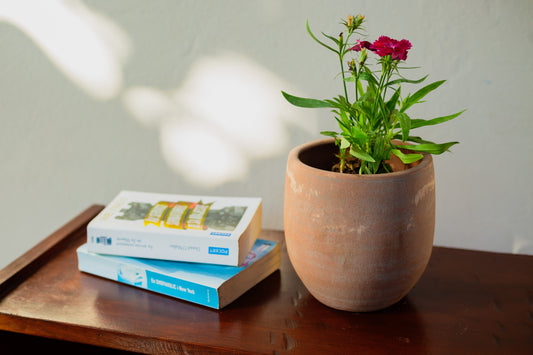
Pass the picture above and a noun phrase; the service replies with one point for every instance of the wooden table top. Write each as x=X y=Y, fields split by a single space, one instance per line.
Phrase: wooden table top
x=466 y=302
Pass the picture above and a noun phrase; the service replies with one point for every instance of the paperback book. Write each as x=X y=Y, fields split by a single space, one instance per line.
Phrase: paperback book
x=203 y=229
x=213 y=286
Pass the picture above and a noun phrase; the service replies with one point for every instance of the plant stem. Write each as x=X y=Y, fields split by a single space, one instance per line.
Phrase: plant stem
x=342 y=52
x=356 y=77
x=386 y=72
x=341 y=57
x=342 y=162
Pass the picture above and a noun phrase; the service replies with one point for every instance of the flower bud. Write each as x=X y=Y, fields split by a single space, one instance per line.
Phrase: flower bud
x=358 y=21
x=351 y=66
x=350 y=21
x=362 y=57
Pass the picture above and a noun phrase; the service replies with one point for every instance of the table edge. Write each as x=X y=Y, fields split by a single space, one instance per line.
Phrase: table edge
x=26 y=264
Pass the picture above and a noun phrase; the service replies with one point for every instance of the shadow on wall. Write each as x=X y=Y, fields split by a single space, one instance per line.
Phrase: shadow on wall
x=86 y=47
x=227 y=112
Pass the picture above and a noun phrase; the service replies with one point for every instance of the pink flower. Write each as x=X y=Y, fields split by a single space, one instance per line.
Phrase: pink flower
x=388 y=46
x=360 y=45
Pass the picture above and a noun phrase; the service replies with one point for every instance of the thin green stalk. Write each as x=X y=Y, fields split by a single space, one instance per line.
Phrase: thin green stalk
x=342 y=52
x=383 y=107
x=343 y=77
x=384 y=78
x=355 y=81
x=378 y=94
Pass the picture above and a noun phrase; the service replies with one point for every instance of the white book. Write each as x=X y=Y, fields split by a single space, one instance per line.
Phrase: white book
x=203 y=229
x=213 y=286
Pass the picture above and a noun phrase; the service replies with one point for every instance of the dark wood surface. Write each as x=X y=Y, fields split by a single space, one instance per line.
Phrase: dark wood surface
x=467 y=302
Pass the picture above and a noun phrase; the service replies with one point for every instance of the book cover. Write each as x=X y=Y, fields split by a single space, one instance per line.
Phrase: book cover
x=210 y=285
x=204 y=229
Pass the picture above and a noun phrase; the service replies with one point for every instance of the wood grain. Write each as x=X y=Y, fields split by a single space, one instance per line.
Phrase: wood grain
x=466 y=302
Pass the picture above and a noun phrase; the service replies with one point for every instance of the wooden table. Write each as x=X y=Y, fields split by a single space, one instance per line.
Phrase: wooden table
x=466 y=302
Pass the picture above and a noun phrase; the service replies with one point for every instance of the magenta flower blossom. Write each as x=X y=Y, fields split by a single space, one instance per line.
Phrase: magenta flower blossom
x=388 y=46
x=360 y=45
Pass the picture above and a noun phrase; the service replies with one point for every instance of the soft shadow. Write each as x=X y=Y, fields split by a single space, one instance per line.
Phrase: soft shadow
x=86 y=47
x=227 y=113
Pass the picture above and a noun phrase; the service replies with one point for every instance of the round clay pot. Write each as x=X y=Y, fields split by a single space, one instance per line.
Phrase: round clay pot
x=358 y=242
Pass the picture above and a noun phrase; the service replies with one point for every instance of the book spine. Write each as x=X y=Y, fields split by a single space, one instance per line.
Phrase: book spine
x=114 y=269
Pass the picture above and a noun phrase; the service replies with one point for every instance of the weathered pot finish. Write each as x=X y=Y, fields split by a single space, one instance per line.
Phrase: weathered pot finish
x=358 y=243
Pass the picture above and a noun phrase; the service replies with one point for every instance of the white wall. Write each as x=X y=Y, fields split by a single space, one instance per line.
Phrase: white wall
x=183 y=97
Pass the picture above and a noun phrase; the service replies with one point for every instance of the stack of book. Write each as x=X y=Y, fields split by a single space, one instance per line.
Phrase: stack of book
x=200 y=249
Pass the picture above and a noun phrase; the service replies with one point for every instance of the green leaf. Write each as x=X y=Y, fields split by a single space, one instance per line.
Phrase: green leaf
x=405 y=124
x=391 y=104
x=355 y=135
x=317 y=40
x=360 y=88
x=408 y=68
x=344 y=143
x=410 y=100
x=368 y=76
x=381 y=150
x=413 y=139
x=343 y=126
x=358 y=153
x=344 y=117
x=339 y=102
x=365 y=103
x=359 y=134
x=371 y=79
x=421 y=123
x=329 y=134
x=344 y=123
x=304 y=102
x=331 y=38
x=407 y=158
x=403 y=80
x=432 y=148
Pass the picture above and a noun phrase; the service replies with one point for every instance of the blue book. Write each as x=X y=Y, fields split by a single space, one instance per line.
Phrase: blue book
x=210 y=285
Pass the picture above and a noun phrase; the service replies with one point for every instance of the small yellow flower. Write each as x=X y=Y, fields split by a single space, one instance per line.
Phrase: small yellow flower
x=350 y=20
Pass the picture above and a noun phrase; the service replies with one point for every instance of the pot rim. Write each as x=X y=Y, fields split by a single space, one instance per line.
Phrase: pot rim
x=426 y=161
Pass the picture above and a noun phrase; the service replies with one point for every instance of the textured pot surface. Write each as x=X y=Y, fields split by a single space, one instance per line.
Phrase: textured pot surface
x=358 y=243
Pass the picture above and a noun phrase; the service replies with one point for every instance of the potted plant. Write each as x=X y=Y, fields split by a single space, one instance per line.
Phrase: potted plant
x=359 y=208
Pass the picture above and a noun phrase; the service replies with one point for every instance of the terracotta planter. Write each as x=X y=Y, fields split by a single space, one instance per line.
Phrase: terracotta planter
x=358 y=243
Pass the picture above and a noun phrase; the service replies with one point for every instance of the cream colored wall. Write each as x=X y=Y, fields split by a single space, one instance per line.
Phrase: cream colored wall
x=184 y=97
